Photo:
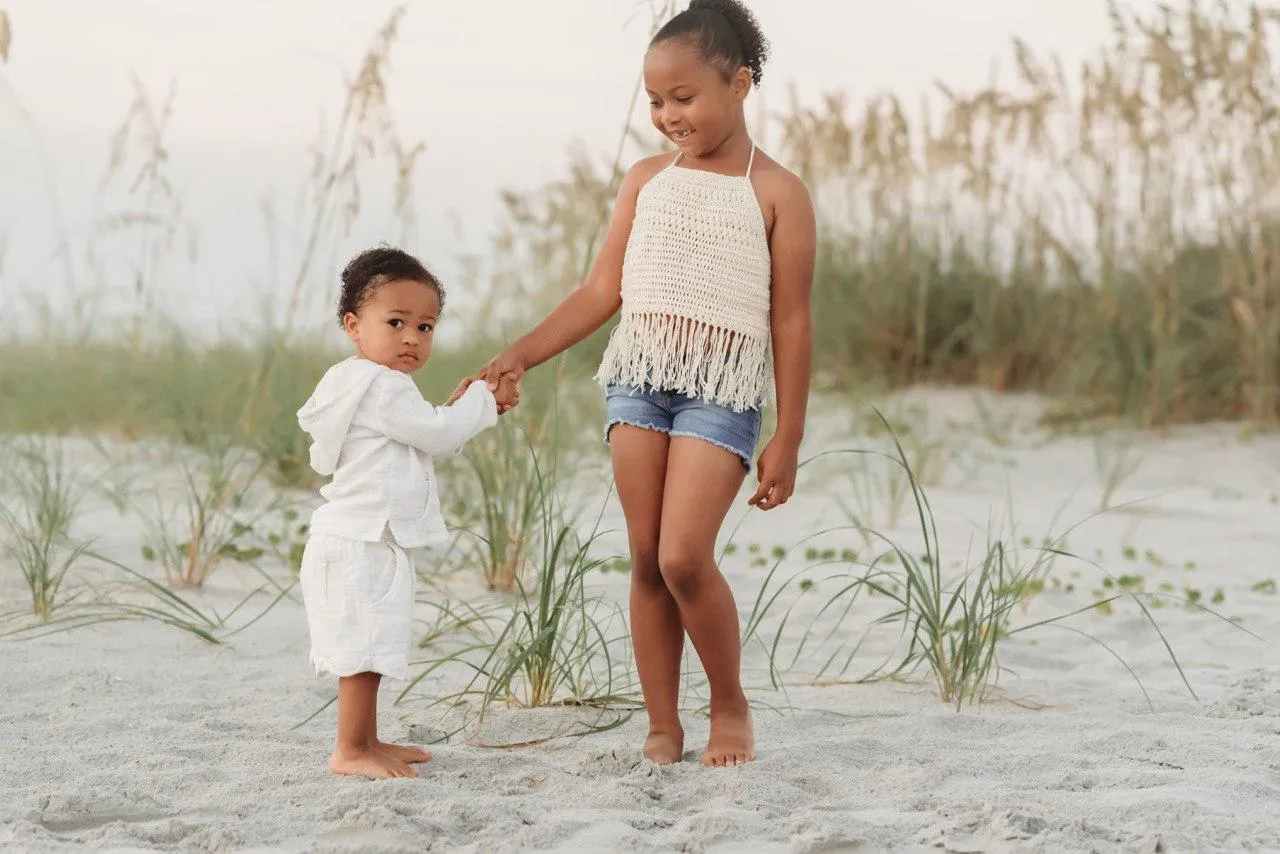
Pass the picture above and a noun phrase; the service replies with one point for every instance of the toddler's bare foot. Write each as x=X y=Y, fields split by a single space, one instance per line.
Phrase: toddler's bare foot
x=664 y=747
x=369 y=763
x=732 y=741
x=404 y=752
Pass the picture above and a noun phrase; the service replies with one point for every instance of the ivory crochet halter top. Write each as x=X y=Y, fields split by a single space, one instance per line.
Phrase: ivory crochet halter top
x=695 y=291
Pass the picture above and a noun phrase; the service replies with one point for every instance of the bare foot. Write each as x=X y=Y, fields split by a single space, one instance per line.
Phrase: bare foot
x=368 y=763
x=664 y=748
x=403 y=752
x=732 y=741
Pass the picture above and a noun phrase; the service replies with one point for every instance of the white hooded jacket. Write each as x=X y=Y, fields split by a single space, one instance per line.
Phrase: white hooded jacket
x=373 y=431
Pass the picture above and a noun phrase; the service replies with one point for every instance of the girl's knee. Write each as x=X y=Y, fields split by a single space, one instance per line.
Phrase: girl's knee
x=644 y=566
x=683 y=570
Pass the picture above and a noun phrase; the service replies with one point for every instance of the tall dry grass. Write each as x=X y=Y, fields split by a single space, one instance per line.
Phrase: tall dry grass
x=1106 y=234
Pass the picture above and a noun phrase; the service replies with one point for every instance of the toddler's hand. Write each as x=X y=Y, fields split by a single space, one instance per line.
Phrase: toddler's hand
x=508 y=393
x=459 y=391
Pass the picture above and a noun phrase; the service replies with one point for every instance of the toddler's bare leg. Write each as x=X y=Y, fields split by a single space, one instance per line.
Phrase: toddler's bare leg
x=356 y=750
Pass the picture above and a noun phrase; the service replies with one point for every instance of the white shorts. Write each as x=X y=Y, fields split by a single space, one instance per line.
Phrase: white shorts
x=359 y=599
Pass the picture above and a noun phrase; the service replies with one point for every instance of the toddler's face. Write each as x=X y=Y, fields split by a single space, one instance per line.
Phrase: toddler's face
x=395 y=325
x=690 y=102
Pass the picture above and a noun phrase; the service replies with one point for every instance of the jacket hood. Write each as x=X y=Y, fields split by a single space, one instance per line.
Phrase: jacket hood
x=328 y=412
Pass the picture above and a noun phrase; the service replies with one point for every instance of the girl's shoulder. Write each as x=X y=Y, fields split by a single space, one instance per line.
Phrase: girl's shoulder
x=767 y=172
x=653 y=163
x=780 y=189
x=646 y=168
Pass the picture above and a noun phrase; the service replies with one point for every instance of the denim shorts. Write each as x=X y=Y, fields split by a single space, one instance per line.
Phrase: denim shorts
x=679 y=415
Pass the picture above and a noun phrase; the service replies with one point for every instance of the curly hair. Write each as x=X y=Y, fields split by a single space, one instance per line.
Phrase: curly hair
x=372 y=269
x=724 y=32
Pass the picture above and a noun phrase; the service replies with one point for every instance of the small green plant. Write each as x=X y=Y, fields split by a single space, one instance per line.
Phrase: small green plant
x=506 y=497
x=559 y=645
x=34 y=527
x=212 y=525
x=1267 y=585
x=952 y=627
x=287 y=540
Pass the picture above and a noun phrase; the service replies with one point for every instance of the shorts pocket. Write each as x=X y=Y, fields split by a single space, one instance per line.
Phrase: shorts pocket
x=399 y=586
x=325 y=574
x=325 y=579
x=391 y=616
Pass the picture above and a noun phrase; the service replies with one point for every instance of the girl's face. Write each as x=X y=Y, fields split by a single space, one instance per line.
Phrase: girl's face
x=395 y=325
x=690 y=102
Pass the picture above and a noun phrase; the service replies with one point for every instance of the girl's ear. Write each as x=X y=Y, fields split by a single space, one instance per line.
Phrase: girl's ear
x=740 y=83
x=351 y=325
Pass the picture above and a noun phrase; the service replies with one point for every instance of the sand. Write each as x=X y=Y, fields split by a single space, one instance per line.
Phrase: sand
x=133 y=736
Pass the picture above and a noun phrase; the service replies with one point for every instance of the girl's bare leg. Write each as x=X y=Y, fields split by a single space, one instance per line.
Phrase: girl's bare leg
x=639 y=469
x=356 y=750
x=702 y=482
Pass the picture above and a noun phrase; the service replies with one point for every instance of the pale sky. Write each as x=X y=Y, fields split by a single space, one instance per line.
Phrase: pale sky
x=498 y=91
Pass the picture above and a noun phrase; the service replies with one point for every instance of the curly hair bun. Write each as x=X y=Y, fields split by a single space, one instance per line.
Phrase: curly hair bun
x=725 y=32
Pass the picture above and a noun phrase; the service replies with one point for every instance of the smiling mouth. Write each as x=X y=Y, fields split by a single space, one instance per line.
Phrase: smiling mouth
x=680 y=135
x=409 y=357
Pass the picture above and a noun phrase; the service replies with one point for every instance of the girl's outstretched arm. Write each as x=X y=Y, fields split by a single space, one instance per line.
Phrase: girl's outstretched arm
x=791 y=245
x=590 y=304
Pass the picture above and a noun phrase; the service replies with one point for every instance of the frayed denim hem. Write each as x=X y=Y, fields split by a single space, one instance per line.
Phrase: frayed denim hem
x=746 y=461
x=643 y=425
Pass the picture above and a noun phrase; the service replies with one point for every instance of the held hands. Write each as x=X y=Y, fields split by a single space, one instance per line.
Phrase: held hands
x=503 y=374
x=507 y=393
x=776 y=470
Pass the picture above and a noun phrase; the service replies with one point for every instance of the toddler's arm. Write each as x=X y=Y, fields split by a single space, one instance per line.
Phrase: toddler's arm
x=404 y=416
